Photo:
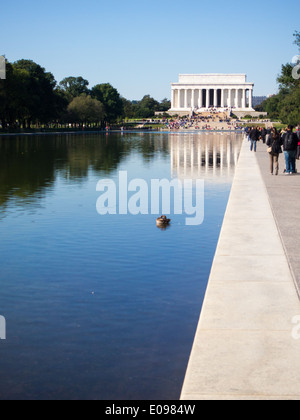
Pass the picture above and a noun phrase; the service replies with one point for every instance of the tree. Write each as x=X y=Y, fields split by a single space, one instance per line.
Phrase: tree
x=147 y=107
x=165 y=105
x=285 y=105
x=286 y=80
x=297 y=40
x=14 y=96
x=61 y=106
x=84 y=109
x=290 y=110
x=129 y=108
x=39 y=94
x=74 y=87
x=28 y=94
x=111 y=100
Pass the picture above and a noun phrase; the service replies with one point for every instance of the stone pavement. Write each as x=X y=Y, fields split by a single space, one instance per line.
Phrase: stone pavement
x=284 y=195
x=247 y=344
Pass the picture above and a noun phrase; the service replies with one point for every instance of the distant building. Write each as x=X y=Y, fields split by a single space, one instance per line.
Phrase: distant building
x=258 y=100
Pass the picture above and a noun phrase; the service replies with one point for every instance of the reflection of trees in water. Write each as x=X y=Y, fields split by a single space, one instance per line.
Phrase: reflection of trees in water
x=25 y=167
x=29 y=165
x=150 y=145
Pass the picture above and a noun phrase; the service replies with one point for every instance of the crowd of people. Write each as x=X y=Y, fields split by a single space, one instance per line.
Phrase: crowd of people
x=278 y=141
x=212 y=120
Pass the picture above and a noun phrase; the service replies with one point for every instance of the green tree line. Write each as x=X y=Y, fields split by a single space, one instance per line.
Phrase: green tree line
x=30 y=96
x=285 y=106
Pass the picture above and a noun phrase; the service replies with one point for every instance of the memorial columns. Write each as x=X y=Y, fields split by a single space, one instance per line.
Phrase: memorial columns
x=229 y=98
x=200 y=100
x=179 y=98
x=185 y=98
x=236 y=98
x=173 y=99
x=222 y=98
x=215 y=98
x=250 y=98
x=208 y=98
x=244 y=99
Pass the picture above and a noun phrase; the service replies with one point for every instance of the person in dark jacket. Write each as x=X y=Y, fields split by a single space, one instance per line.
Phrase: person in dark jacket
x=254 y=138
x=290 y=144
x=274 y=142
x=298 y=148
x=263 y=135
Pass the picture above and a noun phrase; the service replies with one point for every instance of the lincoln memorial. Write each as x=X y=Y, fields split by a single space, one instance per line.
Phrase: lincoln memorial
x=200 y=92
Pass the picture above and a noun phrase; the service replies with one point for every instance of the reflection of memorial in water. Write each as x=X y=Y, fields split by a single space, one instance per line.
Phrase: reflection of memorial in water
x=210 y=156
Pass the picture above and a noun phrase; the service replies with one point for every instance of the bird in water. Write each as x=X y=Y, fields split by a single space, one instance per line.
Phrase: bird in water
x=162 y=221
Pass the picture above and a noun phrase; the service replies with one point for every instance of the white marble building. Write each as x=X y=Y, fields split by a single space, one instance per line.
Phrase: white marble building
x=199 y=92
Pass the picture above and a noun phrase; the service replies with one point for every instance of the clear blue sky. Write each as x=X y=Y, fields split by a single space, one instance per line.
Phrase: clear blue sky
x=140 y=47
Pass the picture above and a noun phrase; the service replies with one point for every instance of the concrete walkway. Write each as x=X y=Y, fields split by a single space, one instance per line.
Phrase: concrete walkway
x=246 y=345
x=284 y=195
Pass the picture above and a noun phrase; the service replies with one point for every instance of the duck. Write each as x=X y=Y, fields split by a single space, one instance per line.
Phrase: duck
x=163 y=221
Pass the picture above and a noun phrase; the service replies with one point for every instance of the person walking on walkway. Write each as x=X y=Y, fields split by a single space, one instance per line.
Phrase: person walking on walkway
x=254 y=137
x=274 y=142
x=298 y=148
x=263 y=135
x=290 y=144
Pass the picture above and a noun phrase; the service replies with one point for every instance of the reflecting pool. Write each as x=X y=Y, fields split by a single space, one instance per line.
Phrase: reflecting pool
x=103 y=307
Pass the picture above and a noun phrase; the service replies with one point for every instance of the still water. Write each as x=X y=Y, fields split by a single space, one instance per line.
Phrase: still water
x=102 y=307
